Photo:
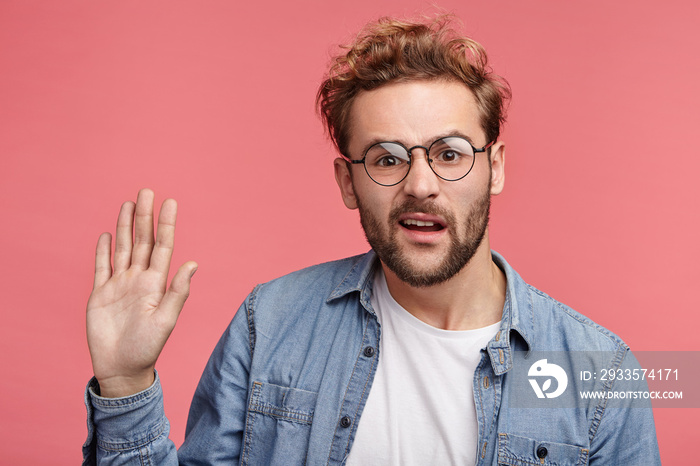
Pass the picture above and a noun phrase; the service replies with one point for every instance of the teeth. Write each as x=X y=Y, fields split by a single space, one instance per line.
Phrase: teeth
x=418 y=223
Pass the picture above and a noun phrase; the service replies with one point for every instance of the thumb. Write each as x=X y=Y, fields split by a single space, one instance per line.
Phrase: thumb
x=174 y=299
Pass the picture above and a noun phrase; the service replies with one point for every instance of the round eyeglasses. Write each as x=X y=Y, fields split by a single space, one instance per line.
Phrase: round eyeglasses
x=451 y=159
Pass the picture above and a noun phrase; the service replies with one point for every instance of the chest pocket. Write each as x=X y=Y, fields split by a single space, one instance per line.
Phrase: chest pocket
x=514 y=450
x=278 y=425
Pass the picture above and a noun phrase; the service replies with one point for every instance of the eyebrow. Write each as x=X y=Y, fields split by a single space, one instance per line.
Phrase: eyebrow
x=446 y=134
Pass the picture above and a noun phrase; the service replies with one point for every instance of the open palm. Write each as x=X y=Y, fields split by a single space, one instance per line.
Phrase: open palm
x=131 y=311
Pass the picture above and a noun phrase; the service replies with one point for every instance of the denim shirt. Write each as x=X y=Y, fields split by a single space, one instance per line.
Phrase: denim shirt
x=288 y=380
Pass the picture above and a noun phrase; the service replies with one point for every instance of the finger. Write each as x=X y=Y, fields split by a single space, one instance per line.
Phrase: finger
x=103 y=267
x=174 y=299
x=165 y=237
x=143 y=231
x=123 y=243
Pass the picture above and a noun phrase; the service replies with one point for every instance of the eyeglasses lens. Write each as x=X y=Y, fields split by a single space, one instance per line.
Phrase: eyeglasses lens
x=451 y=158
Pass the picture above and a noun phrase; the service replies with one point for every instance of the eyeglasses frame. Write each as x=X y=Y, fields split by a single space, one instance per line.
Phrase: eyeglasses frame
x=427 y=156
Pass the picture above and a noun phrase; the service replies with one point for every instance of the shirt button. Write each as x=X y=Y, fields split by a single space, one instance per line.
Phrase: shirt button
x=369 y=351
x=541 y=452
x=345 y=421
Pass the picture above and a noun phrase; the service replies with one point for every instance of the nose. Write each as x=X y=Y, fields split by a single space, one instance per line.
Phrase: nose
x=421 y=182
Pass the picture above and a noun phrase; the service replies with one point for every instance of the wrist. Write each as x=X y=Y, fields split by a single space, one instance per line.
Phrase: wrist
x=121 y=386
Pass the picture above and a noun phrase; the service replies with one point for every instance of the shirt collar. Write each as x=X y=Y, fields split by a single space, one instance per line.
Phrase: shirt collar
x=517 y=326
x=358 y=278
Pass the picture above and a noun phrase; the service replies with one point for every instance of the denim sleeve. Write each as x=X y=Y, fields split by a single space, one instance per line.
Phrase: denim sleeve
x=626 y=433
x=216 y=421
x=128 y=430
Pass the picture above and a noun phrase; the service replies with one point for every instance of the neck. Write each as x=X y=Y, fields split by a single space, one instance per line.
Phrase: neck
x=472 y=299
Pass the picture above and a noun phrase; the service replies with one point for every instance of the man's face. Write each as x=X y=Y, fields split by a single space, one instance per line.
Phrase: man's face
x=425 y=229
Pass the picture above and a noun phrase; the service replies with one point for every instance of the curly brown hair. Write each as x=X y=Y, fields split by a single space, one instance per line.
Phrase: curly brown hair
x=391 y=50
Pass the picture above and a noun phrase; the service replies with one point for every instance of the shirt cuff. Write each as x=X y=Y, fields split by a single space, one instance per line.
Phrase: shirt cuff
x=127 y=422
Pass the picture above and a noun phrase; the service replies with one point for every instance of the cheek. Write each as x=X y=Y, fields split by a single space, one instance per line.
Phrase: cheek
x=380 y=209
x=377 y=199
x=468 y=201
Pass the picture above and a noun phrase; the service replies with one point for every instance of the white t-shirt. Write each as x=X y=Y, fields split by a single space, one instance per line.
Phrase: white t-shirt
x=420 y=409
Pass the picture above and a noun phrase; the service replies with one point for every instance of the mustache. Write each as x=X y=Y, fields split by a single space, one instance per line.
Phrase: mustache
x=411 y=205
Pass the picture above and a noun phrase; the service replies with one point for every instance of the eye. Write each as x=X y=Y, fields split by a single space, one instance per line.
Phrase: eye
x=386 y=156
x=387 y=161
x=448 y=156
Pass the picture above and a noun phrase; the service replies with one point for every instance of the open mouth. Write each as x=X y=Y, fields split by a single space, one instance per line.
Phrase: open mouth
x=421 y=225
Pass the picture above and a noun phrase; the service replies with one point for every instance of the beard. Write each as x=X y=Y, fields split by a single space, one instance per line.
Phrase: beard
x=462 y=247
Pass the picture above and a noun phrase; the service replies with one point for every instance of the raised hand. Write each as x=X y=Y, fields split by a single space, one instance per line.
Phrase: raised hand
x=131 y=312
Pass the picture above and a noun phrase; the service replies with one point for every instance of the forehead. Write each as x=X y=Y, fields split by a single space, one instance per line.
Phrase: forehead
x=414 y=112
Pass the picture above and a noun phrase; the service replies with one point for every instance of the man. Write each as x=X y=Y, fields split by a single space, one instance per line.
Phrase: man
x=405 y=355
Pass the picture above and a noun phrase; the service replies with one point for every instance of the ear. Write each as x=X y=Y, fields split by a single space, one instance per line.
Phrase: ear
x=344 y=180
x=498 y=167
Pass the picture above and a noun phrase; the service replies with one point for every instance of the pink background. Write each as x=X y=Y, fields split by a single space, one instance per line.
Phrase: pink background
x=212 y=103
